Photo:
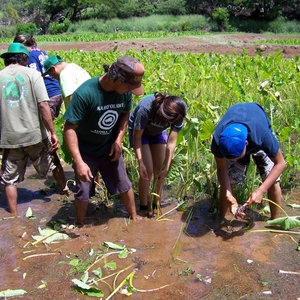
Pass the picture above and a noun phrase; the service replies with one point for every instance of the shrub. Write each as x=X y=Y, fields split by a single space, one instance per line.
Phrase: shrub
x=59 y=27
x=27 y=29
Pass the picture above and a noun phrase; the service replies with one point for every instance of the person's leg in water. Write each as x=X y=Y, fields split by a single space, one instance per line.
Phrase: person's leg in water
x=13 y=168
x=145 y=184
x=158 y=156
x=59 y=174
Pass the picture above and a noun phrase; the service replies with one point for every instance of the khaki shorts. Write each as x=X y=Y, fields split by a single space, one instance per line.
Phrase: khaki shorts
x=14 y=162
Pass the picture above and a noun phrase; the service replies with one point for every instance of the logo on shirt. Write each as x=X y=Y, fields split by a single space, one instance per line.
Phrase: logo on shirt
x=108 y=120
x=14 y=91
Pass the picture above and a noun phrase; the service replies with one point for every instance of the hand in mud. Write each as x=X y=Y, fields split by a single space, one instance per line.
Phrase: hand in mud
x=240 y=211
x=234 y=208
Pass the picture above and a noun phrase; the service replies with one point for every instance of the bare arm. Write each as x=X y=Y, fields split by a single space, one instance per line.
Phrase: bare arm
x=171 y=145
x=47 y=120
x=116 y=147
x=170 y=148
x=226 y=196
x=279 y=165
x=82 y=170
x=137 y=146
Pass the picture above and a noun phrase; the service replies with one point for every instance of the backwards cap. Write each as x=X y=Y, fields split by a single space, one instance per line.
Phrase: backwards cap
x=50 y=62
x=233 y=140
x=132 y=71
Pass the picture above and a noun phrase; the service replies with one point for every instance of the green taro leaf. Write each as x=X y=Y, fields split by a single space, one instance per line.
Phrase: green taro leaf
x=11 y=293
x=294 y=205
x=113 y=246
x=111 y=265
x=286 y=222
x=86 y=289
x=81 y=284
x=29 y=212
x=123 y=253
x=98 y=272
x=84 y=278
x=74 y=262
x=207 y=129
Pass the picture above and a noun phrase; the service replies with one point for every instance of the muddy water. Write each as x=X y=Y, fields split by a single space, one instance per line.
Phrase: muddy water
x=192 y=253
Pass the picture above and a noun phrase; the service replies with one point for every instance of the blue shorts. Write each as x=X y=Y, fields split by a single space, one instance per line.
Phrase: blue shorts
x=237 y=170
x=113 y=174
x=161 y=138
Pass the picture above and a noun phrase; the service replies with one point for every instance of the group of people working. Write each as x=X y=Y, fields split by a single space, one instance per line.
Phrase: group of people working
x=99 y=113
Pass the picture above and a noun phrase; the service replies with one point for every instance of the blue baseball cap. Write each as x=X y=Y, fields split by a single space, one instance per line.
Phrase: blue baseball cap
x=233 y=140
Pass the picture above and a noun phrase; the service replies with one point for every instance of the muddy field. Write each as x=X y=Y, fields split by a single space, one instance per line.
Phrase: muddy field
x=191 y=255
x=218 y=43
x=223 y=44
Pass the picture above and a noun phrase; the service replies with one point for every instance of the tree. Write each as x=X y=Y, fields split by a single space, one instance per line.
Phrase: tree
x=221 y=16
x=10 y=16
x=172 y=7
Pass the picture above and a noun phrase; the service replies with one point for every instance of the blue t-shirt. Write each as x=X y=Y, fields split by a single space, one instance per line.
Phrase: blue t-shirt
x=143 y=118
x=36 y=61
x=260 y=133
x=96 y=112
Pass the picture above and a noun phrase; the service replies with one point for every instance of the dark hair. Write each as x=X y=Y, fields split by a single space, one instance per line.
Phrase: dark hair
x=28 y=41
x=171 y=108
x=16 y=58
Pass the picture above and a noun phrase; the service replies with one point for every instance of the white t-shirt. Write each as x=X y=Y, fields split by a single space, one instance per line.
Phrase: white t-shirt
x=71 y=77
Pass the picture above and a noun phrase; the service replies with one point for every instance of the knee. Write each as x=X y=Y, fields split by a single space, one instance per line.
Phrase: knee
x=275 y=188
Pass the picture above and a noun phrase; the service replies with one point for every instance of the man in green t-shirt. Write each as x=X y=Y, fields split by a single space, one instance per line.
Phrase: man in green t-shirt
x=96 y=121
x=26 y=122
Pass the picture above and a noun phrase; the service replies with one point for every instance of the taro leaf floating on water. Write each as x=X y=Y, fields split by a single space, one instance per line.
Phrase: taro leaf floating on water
x=286 y=222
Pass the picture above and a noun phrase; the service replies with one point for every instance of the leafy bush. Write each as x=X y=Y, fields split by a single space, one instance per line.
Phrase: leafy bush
x=280 y=25
x=27 y=29
x=59 y=27
x=221 y=17
x=152 y=23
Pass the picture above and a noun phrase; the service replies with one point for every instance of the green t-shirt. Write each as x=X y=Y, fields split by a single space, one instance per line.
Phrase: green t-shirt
x=96 y=113
x=21 y=90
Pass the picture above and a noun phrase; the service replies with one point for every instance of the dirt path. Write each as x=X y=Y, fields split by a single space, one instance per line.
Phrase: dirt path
x=223 y=44
x=218 y=43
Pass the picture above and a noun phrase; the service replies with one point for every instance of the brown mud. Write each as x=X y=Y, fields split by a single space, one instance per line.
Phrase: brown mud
x=217 y=43
x=192 y=253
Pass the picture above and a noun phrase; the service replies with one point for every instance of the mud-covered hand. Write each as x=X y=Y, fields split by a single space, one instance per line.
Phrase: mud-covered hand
x=83 y=172
x=240 y=211
x=115 y=151
x=255 y=197
x=233 y=205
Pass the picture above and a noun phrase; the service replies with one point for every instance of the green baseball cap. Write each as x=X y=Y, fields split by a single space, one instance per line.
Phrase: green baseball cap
x=51 y=61
x=15 y=48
